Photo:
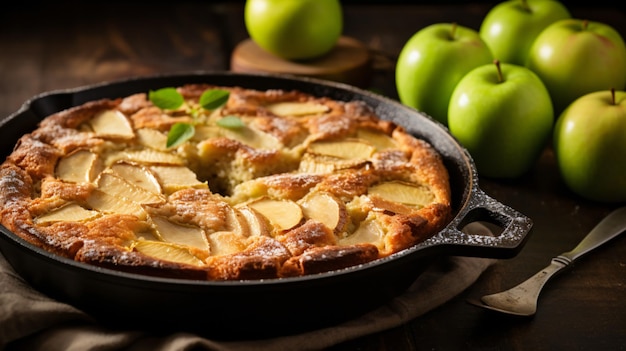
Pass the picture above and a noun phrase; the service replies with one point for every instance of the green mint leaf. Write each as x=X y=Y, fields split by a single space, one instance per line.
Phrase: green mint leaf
x=214 y=98
x=179 y=133
x=166 y=98
x=230 y=122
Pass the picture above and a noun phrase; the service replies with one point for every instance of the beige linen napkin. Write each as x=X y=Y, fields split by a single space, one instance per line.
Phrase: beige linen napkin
x=32 y=321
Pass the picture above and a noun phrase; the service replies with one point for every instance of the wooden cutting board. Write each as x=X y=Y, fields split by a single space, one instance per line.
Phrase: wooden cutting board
x=348 y=62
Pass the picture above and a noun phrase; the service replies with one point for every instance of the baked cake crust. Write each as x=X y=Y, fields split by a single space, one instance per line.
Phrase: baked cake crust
x=301 y=185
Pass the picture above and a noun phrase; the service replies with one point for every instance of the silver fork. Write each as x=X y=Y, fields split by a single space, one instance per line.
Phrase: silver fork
x=522 y=299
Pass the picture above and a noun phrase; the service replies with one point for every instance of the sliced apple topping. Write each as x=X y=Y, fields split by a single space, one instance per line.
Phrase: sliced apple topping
x=166 y=251
x=253 y=137
x=152 y=138
x=381 y=204
x=403 y=193
x=145 y=156
x=204 y=132
x=380 y=140
x=320 y=164
x=71 y=213
x=112 y=123
x=147 y=235
x=349 y=149
x=174 y=178
x=297 y=108
x=325 y=208
x=236 y=222
x=180 y=234
x=246 y=134
x=255 y=222
x=225 y=243
x=369 y=231
x=114 y=185
x=250 y=189
x=107 y=203
x=82 y=166
x=283 y=214
x=317 y=164
x=137 y=175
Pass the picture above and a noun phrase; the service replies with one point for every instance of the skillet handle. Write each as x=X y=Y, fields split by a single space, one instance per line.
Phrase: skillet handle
x=483 y=208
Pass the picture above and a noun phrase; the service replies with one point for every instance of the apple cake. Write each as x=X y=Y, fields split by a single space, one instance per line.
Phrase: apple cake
x=223 y=183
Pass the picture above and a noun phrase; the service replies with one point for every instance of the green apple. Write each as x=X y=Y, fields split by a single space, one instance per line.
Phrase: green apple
x=510 y=27
x=574 y=57
x=590 y=146
x=433 y=61
x=503 y=115
x=294 y=29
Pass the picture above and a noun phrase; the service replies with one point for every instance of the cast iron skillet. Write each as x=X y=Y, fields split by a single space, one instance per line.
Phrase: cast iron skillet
x=246 y=309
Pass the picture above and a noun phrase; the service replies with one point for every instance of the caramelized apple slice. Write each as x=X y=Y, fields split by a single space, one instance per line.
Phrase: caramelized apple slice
x=236 y=222
x=325 y=208
x=180 y=234
x=69 y=213
x=166 y=251
x=107 y=203
x=152 y=138
x=349 y=149
x=255 y=222
x=297 y=108
x=381 y=204
x=82 y=166
x=147 y=235
x=404 y=193
x=114 y=185
x=283 y=214
x=317 y=164
x=246 y=134
x=225 y=243
x=138 y=176
x=174 y=178
x=112 y=123
x=379 y=140
x=321 y=164
x=369 y=231
x=204 y=132
x=145 y=156
x=253 y=137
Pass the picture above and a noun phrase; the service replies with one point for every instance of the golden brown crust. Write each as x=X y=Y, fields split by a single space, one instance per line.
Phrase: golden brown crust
x=108 y=196
x=35 y=157
x=328 y=258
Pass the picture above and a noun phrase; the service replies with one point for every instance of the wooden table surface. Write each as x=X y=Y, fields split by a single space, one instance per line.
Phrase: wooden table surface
x=46 y=47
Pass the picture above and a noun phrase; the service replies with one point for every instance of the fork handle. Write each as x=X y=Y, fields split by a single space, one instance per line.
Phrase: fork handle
x=607 y=229
x=535 y=283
